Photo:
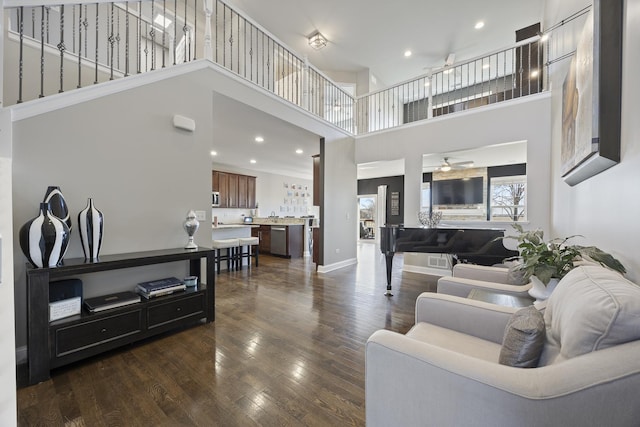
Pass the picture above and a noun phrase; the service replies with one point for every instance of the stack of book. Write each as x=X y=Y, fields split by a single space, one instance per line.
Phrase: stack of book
x=156 y=288
x=106 y=302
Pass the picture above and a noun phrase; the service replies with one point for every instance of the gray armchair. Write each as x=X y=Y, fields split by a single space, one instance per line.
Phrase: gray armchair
x=466 y=277
x=445 y=370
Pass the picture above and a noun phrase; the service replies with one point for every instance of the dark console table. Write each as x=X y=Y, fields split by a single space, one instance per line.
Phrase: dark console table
x=57 y=343
x=474 y=245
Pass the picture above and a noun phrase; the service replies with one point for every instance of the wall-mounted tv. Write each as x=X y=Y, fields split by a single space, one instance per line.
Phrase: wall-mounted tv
x=464 y=191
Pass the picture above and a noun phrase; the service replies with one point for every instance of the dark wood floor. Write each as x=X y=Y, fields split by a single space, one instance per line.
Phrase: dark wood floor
x=287 y=348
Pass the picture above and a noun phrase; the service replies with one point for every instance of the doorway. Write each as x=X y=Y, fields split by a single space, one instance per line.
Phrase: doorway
x=367 y=209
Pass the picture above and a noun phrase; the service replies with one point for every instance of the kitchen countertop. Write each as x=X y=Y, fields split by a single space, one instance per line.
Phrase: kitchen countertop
x=221 y=226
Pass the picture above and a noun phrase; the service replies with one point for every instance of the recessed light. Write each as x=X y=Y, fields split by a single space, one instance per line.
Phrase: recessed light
x=485 y=66
x=252 y=161
x=259 y=139
x=479 y=25
x=407 y=53
x=299 y=151
x=214 y=153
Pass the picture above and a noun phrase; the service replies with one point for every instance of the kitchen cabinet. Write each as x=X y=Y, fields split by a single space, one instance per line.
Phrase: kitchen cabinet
x=316 y=180
x=236 y=191
x=264 y=234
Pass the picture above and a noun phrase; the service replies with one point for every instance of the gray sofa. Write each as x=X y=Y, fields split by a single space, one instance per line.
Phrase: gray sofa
x=445 y=370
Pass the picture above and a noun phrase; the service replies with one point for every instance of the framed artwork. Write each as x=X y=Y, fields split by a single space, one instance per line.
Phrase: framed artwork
x=591 y=96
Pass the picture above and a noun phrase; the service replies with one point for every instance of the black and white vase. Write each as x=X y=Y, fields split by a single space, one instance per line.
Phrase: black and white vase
x=45 y=238
x=59 y=208
x=91 y=226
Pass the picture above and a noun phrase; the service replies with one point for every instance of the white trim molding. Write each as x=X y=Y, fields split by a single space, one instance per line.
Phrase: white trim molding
x=337 y=265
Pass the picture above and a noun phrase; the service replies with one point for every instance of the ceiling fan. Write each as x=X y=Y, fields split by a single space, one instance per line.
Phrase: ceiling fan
x=447 y=166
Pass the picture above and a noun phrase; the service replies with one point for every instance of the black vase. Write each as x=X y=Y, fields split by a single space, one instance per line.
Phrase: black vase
x=59 y=208
x=45 y=238
x=90 y=227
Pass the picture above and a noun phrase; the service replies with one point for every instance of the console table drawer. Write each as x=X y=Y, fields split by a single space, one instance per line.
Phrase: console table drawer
x=92 y=333
x=176 y=309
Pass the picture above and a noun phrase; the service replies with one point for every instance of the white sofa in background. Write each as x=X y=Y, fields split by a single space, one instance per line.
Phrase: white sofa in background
x=445 y=370
x=466 y=277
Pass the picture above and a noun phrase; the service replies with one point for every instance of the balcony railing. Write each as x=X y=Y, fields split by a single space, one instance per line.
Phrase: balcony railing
x=60 y=48
x=68 y=46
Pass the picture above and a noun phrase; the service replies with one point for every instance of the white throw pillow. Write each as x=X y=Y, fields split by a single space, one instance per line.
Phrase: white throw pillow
x=592 y=308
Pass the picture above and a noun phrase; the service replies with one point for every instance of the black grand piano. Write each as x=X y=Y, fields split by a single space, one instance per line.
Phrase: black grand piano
x=473 y=245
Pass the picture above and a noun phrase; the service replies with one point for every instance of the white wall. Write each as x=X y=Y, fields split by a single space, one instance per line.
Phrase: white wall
x=122 y=150
x=524 y=119
x=340 y=215
x=7 y=325
x=604 y=208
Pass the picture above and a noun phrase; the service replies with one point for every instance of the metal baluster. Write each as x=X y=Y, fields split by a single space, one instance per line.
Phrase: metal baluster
x=139 y=37
x=118 y=39
x=42 y=52
x=152 y=33
x=80 y=47
x=231 y=40
x=95 y=81
x=244 y=62
x=61 y=48
x=33 y=22
x=185 y=28
x=164 y=29
x=85 y=24
x=73 y=26
x=47 y=25
x=251 y=52
x=529 y=68
x=20 y=60
x=146 y=47
x=175 y=31
x=215 y=29
x=111 y=39
x=126 y=41
x=195 y=28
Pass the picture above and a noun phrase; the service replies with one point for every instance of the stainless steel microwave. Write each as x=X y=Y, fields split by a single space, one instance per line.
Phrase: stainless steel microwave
x=215 y=199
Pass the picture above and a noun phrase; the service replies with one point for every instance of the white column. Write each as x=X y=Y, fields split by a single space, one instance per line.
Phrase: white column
x=208 y=47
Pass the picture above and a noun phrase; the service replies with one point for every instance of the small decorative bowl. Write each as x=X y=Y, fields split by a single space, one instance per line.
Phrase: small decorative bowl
x=190 y=281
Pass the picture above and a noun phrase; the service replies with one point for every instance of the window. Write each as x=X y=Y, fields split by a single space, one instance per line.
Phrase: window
x=425 y=199
x=508 y=198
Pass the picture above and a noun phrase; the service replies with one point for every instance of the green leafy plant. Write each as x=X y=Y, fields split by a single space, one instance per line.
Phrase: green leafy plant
x=555 y=258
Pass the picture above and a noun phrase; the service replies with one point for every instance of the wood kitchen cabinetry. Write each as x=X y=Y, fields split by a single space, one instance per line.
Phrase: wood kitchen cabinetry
x=264 y=234
x=236 y=191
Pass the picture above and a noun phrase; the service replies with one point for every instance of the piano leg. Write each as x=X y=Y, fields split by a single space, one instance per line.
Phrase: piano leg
x=389 y=259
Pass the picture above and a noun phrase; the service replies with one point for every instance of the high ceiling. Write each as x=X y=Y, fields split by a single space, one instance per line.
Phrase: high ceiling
x=374 y=34
x=363 y=35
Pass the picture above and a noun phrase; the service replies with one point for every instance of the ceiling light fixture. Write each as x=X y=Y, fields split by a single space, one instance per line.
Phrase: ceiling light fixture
x=534 y=73
x=299 y=151
x=407 y=53
x=214 y=153
x=445 y=168
x=252 y=161
x=543 y=37
x=479 y=25
x=317 y=40
x=259 y=139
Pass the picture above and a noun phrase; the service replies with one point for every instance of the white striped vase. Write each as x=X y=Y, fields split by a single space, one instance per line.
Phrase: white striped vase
x=90 y=226
x=58 y=205
x=45 y=238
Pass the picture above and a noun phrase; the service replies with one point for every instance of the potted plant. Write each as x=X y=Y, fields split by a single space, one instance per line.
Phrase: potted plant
x=549 y=261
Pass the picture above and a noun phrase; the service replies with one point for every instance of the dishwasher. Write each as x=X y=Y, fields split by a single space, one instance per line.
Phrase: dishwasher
x=279 y=240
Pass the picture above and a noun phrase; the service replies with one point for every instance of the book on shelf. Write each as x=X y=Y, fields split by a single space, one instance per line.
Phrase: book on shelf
x=159 y=284
x=105 y=302
x=160 y=292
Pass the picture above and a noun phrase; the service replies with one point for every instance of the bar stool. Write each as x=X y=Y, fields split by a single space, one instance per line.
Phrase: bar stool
x=231 y=245
x=249 y=242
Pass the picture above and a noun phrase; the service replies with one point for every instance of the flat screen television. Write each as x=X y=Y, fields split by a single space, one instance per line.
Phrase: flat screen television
x=467 y=191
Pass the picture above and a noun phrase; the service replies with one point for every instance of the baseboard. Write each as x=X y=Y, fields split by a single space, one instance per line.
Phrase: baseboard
x=337 y=265
x=426 y=270
x=21 y=355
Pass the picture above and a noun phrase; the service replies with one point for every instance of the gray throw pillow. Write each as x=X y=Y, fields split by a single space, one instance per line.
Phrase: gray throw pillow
x=515 y=276
x=524 y=338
